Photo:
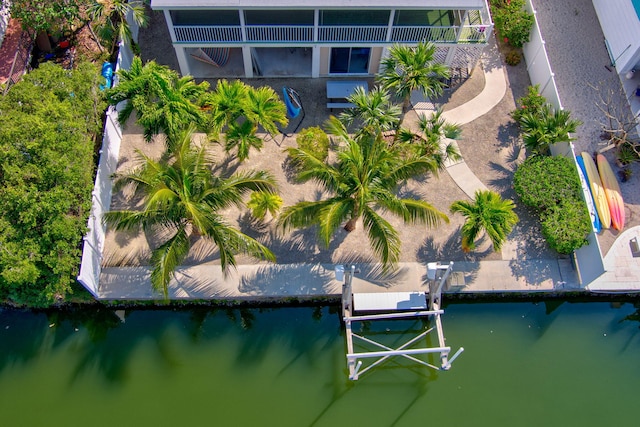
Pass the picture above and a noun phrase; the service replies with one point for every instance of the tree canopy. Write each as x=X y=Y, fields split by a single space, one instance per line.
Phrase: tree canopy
x=48 y=124
x=47 y=15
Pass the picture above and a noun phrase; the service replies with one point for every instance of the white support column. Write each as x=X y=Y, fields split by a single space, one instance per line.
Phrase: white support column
x=183 y=62
x=172 y=31
x=180 y=52
x=248 y=63
x=315 y=61
x=392 y=16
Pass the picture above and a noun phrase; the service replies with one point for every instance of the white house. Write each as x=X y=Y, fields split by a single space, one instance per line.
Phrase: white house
x=620 y=22
x=318 y=38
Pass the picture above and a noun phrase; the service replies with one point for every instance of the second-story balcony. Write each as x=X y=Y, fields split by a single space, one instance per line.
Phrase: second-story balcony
x=329 y=34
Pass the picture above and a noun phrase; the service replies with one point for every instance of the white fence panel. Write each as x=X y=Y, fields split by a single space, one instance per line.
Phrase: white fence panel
x=588 y=259
x=91 y=263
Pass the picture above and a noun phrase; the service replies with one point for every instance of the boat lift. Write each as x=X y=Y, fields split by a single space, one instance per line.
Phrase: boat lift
x=391 y=306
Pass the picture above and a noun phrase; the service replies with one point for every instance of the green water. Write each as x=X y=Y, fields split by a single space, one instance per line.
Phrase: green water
x=525 y=364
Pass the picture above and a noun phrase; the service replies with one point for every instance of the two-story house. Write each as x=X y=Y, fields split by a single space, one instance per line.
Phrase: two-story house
x=318 y=38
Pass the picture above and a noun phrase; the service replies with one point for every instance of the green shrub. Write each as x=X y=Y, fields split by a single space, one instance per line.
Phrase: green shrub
x=315 y=141
x=552 y=187
x=513 y=58
x=532 y=102
x=566 y=226
x=48 y=122
x=512 y=21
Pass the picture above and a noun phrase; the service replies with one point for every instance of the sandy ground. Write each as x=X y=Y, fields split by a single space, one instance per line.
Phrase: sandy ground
x=489 y=144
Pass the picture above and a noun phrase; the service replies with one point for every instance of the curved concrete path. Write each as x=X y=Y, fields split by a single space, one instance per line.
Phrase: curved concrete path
x=494 y=90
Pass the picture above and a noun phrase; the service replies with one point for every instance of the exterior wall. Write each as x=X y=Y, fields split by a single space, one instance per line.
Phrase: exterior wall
x=621 y=28
x=376 y=57
x=460 y=39
x=324 y=60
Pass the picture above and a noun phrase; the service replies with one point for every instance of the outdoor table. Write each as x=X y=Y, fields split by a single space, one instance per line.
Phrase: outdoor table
x=339 y=90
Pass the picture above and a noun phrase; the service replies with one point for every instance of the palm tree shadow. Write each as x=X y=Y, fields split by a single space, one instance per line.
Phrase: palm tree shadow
x=503 y=177
x=290 y=279
x=466 y=264
x=508 y=134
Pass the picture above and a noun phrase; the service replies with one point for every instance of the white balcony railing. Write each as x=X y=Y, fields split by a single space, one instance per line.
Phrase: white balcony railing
x=278 y=33
x=342 y=33
x=207 y=33
x=329 y=34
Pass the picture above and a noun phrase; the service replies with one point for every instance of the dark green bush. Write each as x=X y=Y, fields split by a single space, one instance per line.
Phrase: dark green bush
x=513 y=58
x=513 y=23
x=552 y=187
x=566 y=226
x=532 y=102
x=315 y=141
x=48 y=123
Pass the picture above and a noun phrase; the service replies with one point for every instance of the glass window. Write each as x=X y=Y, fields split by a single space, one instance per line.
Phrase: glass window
x=354 y=17
x=353 y=60
x=436 y=18
x=278 y=17
x=205 y=17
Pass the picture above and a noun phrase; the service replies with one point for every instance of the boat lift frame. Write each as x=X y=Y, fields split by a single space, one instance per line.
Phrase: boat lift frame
x=437 y=275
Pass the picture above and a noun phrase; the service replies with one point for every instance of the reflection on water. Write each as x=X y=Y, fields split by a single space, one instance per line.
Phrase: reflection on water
x=525 y=364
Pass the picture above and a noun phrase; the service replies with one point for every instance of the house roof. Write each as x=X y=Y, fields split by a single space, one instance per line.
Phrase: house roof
x=295 y=4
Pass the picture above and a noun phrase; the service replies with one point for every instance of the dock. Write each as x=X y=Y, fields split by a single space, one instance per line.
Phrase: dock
x=389 y=306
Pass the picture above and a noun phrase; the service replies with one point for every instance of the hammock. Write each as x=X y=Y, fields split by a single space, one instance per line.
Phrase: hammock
x=217 y=56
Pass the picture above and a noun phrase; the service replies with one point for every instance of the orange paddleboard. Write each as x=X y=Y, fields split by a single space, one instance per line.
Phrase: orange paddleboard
x=597 y=190
x=612 y=192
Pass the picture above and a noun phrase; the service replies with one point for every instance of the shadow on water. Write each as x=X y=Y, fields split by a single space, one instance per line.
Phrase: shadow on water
x=106 y=340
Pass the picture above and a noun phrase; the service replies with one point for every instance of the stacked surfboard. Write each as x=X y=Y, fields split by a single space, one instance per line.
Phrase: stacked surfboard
x=605 y=191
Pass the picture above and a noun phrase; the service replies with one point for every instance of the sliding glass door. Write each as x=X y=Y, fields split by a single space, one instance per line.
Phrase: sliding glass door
x=350 y=60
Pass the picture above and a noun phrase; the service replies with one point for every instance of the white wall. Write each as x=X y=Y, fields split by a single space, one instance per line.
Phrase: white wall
x=621 y=28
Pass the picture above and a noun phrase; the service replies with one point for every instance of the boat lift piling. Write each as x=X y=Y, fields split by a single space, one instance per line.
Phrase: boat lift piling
x=390 y=306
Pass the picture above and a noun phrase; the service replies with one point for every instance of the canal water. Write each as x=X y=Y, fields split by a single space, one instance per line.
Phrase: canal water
x=525 y=364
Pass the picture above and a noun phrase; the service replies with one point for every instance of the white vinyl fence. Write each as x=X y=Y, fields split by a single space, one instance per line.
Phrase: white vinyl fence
x=91 y=264
x=588 y=259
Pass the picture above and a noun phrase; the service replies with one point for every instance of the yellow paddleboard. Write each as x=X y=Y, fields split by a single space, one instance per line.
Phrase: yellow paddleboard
x=612 y=192
x=597 y=190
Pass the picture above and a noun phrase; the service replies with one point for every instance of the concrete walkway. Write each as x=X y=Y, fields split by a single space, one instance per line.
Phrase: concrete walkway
x=494 y=90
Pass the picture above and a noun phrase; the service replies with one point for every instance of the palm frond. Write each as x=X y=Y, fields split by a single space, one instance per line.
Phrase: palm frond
x=166 y=258
x=384 y=239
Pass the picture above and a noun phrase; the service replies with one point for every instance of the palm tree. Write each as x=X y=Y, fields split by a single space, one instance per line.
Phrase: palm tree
x=489 y=213
x=363 y=180
x=163 y=101
x=429 y=138
x=111 y=16
x=260 y=203
x=182 y=198
x=545 y=127
x=413 y=68
x=373 y=110
x=238 y=110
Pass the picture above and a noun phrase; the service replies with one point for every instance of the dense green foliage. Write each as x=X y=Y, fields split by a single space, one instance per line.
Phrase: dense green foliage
x=543 y=128
x=410 y=68
x=239 y=110
x=550 y=184
x=372 y=112
x=48 y=123
x=512 y=21
x=110 y=20
x=489 y=213
x=531 y=103
x=315 y=141
x=52 y=16
x=163 y=101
